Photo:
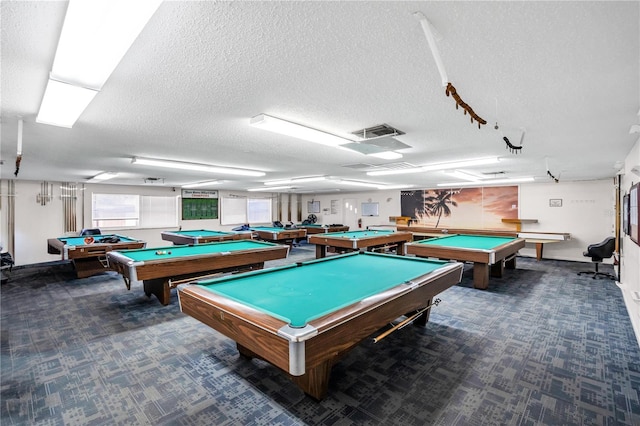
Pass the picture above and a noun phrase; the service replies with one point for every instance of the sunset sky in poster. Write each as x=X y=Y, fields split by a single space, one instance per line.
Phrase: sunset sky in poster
x=479 y=208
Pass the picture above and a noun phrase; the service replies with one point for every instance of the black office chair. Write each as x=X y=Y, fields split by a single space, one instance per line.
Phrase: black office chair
x=90 y=231
x=597 y=252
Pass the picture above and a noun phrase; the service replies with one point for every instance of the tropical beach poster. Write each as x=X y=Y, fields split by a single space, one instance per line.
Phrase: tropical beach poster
x=463 y=208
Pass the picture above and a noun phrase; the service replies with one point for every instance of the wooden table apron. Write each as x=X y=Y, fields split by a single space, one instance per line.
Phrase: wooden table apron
x=323 y=229
x=327 y=339
x=158 y=274
x=322 y=241
x=192 y=237
x=280 y=235
x=485 y=262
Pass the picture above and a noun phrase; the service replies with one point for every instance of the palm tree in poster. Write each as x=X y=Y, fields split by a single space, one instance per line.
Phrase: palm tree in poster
x=438 y=205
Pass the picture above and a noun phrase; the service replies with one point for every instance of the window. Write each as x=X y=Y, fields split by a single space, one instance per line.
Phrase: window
x=133 y=211
x=258 y=210
x=237 y=210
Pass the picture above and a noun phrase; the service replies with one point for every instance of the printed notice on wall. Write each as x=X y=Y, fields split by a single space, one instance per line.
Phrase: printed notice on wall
x=190 y=193
x=334 y=206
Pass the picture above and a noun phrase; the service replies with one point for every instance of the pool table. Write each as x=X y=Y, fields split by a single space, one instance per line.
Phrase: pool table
x=279 y=235
x=89 y=253
x=201 y=236
x=162 y=268
x=489 y=254
x=317 y=228
x=304 y=317
x=357 y=240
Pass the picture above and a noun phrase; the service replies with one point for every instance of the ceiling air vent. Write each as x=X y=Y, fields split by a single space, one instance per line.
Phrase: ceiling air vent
x=359 y=166
x=400 y=165
x=153 y=180
x=376 y=140
x=377 y=131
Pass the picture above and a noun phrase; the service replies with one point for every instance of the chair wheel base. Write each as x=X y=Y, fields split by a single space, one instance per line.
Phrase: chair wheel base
x=597 y=275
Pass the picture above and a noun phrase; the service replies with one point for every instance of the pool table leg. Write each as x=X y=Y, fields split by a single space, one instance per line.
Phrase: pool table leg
x=480 y=275
x=314 y=382
x=160 y=288
x=423 y=319
x=497 y=269
x=321 y=251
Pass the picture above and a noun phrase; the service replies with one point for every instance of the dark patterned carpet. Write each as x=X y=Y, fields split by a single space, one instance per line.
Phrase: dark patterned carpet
x=541 y=346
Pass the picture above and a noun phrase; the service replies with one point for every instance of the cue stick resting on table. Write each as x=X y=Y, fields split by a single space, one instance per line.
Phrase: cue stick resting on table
x=405 y=322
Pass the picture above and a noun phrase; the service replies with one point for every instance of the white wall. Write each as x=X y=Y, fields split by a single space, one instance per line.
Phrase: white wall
x=630 y=252
x=587 y=213
x=388 y=203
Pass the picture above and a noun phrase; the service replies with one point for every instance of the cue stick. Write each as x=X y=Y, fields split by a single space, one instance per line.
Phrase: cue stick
x=174 y=283
x=405 y=322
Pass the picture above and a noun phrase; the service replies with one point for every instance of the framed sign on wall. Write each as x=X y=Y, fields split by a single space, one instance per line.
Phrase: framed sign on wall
x=634 y=219
x=199 y=204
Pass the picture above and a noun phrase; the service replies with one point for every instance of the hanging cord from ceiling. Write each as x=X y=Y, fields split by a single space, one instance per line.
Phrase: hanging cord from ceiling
x=555 y=179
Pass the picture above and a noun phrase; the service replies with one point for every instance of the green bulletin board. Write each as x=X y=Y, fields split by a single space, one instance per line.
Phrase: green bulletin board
x=199 y=204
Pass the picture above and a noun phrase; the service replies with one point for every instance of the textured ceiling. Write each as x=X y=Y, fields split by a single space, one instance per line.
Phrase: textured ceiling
x=566 y=72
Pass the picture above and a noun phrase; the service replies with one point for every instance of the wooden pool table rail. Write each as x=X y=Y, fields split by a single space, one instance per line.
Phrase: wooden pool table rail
x=186 y=239
x=486 y=263
x=395 y=240
x=537 y=238
x=90 y=259
x=157 y=275
x=257 y=334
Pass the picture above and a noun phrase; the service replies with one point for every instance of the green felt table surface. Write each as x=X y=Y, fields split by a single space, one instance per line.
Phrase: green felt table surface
x=354 y=235
x=171 y=252
x=480 y=242
x=79 y=241
x=201 y=233
x=300 y=293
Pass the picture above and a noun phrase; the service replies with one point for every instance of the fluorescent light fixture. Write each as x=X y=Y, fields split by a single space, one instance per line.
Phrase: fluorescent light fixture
x=95 y=36
x=201 y=184
x=395 y=186
x=63 y=103
x=387 y=155
x=299 y=131
x=271 y=188
x=489 y=182
x=437 y=166
x=369 y=184
x=194 y=167
x=356 y=183
x=462 y=175
x=317 y=191
x=100 y=177
x=296 y=180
